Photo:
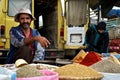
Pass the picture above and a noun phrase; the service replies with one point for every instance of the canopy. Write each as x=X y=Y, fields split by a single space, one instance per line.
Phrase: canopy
x=106 y=5
x=114 y=12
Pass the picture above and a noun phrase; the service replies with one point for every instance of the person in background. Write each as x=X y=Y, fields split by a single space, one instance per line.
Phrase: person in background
x=97 y=38
x=25 y=42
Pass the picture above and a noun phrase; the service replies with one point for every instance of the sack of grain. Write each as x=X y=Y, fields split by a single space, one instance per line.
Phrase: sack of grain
x=28 y=72
x=77 y=71
x=107 y=66
x=48 y=75
x=114 y=58
x=41 y=66
x=117 y=56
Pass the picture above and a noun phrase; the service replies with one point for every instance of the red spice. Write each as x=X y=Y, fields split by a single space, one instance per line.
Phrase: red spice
x=91 y=58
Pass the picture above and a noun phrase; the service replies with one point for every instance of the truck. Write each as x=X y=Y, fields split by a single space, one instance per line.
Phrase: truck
x=62 y=22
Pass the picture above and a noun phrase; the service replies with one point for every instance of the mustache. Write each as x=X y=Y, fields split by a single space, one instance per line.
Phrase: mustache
x=26 y=23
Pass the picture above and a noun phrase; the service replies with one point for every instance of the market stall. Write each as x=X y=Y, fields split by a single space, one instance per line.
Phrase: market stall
x=95 y=67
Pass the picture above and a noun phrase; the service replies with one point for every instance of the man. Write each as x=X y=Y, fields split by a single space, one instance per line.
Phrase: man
x=97 y=38
x=25 y=42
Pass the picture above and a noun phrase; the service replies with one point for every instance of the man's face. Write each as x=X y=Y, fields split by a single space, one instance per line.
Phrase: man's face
x=25 y=20
x=100 y=30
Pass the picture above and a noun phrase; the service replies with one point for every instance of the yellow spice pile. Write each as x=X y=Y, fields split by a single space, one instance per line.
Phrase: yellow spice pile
x=77 y=70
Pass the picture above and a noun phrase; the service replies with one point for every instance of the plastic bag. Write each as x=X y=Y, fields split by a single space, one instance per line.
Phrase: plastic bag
x=6 y=74
x=80 y=56
x=39 y=53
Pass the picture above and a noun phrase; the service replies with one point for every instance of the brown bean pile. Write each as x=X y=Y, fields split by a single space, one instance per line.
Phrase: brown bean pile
x=106 y=66
x=28 y=71
x=77 y=70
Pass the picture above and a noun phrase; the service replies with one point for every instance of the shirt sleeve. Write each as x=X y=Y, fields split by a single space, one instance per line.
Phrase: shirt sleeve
x=16 y=38
x=36 y=33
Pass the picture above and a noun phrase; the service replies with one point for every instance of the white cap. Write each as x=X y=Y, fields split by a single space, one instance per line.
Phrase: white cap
x=23 y=11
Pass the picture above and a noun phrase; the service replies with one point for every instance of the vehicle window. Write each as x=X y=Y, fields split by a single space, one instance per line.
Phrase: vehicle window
x=75 y=12
x=15 y=5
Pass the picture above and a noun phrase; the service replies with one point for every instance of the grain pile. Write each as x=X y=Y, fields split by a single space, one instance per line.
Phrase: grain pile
x=45 y=66
x=106 y=66
x=28 y=71
x=119 y=59
x=77 y=71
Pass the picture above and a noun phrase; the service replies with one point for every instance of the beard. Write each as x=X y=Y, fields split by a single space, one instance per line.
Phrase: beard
x=25 y=25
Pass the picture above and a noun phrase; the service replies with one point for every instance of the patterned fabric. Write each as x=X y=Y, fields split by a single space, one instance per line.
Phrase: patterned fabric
x=95 y=41
x=17 y=40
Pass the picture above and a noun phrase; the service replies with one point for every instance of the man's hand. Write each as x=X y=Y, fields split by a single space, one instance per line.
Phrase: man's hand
x=42 y=40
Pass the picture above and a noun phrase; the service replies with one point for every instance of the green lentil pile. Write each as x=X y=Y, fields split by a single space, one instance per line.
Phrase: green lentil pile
x=106 y=66
x=28 y=71
x=76 y=70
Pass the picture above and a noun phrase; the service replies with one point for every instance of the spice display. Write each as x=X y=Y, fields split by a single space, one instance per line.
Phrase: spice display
x=76 y=70
x=106 y=66
x=28 y=71
x=91 y=58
